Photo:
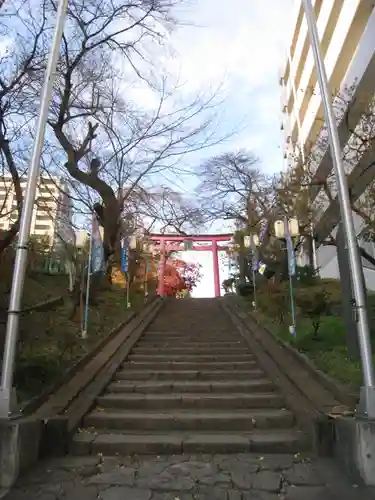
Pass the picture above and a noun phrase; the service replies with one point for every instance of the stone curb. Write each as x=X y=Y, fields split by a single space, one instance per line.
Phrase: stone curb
x=309 y=401
x=47 y=432
x=32 y=405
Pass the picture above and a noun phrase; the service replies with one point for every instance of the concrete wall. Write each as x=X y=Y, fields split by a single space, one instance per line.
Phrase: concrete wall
x=329 y=268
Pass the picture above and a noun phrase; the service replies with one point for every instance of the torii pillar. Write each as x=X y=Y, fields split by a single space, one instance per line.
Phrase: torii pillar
x=161 y=268
x=215 y=259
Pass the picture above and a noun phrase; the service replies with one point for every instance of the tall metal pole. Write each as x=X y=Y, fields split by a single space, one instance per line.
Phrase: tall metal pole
x=27 y=212
x=367 y=396
x=89 y=265
x=254 y=288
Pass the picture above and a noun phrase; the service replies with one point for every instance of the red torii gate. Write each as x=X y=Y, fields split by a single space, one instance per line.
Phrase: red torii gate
x=172 y=242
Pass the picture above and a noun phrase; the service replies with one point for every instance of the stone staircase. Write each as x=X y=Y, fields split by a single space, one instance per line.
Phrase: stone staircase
x=190 y=385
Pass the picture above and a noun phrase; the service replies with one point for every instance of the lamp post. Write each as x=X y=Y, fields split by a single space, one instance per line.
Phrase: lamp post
x=26 y=216
x=252 y=242
x=149 y=250
x=285 y=230
x=366 y=405
x=133 y=245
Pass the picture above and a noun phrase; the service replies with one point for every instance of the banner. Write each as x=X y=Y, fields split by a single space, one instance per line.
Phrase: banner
x=263 y=230
x=254 y=250
x=124 y=255
x=290 y=250
x=97 y=249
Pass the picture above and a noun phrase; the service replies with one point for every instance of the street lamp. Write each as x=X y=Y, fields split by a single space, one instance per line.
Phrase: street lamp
x=252 y=241
x=285 y=230
x=133 y=243
x=292 y=225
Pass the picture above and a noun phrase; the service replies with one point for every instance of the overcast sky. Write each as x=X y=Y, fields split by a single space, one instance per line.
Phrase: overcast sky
x=241 y=43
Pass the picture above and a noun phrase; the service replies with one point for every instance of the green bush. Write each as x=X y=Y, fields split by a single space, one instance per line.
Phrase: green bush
x=313 y=303
x=35 y=374
x=306 y=275
x=273 y=301
x=245 y=289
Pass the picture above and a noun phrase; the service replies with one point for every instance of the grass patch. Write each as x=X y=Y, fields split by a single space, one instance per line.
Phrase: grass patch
x=327 y=349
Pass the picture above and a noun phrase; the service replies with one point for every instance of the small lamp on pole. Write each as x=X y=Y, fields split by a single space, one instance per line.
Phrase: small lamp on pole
x=251 y=241
x=285 y=230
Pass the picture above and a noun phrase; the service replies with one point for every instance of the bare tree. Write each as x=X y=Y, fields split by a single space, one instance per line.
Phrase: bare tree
x=22 y=60
x=230 y=185
x=311 y=186
x=111 y=148
x=234 y=188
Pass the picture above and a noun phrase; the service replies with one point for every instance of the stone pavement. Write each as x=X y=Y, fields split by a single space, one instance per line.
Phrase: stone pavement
x=187 y=477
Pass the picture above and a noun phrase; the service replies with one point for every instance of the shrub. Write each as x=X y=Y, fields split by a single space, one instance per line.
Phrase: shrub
x=273 y=300
x=245 y=289
x=306 y=275
x=313 y=303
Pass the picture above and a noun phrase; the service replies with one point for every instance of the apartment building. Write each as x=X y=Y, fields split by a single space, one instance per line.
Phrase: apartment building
x=52 y=214
x=347 y=36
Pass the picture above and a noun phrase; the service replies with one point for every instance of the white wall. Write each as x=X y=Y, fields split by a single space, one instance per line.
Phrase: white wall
x=327 y=259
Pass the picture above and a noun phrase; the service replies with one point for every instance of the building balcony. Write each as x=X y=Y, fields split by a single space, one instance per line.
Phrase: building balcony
x=346 y=61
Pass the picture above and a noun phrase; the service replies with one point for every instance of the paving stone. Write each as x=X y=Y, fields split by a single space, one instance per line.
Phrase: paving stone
x=267 y=481
x=262 y=495
x=125 y=493
x=198 y=471
x=269 y=462
x=230 y=463
x=303 y=474
x=308 y=493
x=216 y=479
x=28 y=494
x=151 y=468
x=234 y=495
x=210 y=494
x=110 y=463
x=81 y=492
x=120 y=476
x=166 y=481
x=172 y=496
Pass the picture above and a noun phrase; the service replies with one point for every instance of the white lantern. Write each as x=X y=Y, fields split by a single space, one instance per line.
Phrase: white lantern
x=133 y=243
x=293 y=227
x=279 y=229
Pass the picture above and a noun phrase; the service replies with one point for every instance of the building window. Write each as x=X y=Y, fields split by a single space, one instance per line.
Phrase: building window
x=42 y=227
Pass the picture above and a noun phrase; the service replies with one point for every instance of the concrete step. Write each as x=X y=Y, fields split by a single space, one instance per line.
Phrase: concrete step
x=188 y=365
x=202 y=358
x=190 y=338
x=189 y=375
x=167 y=386
x=191 y=351
x=150 y=344
x=175 y=443
x=177 y=420
x=235 y=401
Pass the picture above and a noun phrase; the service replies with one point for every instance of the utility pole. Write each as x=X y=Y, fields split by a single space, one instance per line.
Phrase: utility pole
x=19 y=272
x=366 y=405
